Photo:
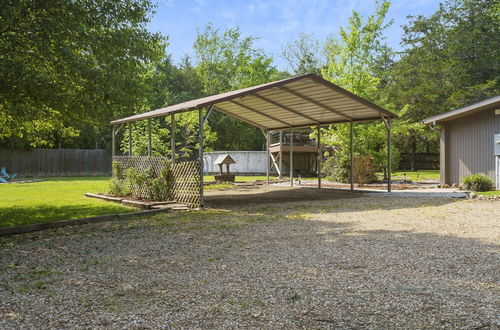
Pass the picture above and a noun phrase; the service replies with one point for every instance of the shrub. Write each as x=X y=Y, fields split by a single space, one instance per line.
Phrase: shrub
x=116 y=187
x=478 y=182
x=156 y=184
x=161 y=185
x=336 y=168
x=363 y=169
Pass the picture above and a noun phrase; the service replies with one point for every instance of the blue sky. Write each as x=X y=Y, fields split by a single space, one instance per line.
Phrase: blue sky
x=273 y=22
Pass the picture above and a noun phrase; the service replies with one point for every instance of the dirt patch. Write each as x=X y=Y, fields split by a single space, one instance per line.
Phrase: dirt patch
x=291 y=259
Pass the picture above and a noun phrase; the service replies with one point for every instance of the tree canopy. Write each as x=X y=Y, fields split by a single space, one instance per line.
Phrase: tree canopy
x=70 y=66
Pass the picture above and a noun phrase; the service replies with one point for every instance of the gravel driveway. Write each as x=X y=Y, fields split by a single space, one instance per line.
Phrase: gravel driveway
x=265 y=258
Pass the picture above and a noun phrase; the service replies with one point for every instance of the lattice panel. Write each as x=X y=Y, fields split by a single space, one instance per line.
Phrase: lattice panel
x=186 y=177
x=141 y=164
x=186 y=189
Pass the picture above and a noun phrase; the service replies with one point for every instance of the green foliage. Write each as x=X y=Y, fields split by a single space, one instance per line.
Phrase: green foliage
x=351 y=59
x=156 y=183
x=117 y=186
x=337 y=167
x=69 y=65
x=226 y=60
x=450 y=60
x=302 y=55
x=161 y=185
x=478 y=182
x=352 y=64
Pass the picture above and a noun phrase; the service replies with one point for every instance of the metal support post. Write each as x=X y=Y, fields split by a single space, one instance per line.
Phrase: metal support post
x=172 y=137
x=291 y=157
x=320 y=157
x=281 y=155
x=149 y=137
x=113 y=141
x=130 y=138
x=202 y=172
x=268 y=155
x=389 y=156
x=351 y=142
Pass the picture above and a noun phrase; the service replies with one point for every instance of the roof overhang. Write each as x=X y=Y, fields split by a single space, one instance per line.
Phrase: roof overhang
x=490 y=103
x=301 y=101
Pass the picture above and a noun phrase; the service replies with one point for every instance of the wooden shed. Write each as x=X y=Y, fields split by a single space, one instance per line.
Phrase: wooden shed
x=470 y=141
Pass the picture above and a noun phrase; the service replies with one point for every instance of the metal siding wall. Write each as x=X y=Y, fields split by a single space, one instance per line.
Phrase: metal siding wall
x=469 y=146
x=56 y=162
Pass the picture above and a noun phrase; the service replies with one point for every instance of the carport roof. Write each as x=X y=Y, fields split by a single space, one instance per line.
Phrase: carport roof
x=301 y=101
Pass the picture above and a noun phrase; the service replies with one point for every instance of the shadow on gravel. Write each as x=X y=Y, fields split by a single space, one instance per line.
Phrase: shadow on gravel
x=262 y=197
x=266 y=274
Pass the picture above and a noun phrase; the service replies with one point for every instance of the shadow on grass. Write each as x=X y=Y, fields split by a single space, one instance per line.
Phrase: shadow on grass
x=26 y=215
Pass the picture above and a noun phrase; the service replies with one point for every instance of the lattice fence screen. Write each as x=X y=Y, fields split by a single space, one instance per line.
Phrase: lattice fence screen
x=186 y=177
x=186 y=189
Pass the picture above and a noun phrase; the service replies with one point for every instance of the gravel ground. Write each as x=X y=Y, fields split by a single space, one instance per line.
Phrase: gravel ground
x=264 y=258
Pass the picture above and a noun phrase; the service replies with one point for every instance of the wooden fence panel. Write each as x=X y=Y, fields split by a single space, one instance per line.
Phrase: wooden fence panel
x=419 y=162
x=56 y=162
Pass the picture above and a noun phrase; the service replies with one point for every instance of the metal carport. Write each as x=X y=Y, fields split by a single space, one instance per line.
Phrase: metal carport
x=296 y=102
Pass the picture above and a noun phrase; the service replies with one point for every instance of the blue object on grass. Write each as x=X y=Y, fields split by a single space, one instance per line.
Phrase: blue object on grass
x=4 y=176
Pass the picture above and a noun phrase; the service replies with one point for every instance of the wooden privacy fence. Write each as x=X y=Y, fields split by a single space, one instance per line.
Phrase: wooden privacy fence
x=185 y=187
x=56 y=162
x=419 y=162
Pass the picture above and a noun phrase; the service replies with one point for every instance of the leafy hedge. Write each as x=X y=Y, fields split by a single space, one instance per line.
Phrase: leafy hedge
x=130 y=181
x=478 y=182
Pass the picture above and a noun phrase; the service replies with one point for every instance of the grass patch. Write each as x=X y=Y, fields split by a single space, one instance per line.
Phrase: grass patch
x=54 y=199
x=421 y=175
x=489 y=193
x=244 y=178
x=218 y=186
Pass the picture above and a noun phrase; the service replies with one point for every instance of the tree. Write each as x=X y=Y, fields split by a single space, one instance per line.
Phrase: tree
x=451 y=59
x=171 y=84
x=227 y=61
x=302 y=55
x=71 y=65
x=353 y=61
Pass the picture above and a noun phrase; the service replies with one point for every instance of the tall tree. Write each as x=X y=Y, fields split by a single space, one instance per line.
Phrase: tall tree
x=302 y=55
x=69 y=64
x=353 y=63
x=226 y=60
x=450 y=59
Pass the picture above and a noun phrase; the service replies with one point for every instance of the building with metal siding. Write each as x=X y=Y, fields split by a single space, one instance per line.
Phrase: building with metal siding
x=467 y=144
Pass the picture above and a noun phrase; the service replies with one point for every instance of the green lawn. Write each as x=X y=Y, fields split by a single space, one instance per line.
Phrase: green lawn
x=243 y=178
x=422 y=175
x=489 y=193
x=54 y=199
